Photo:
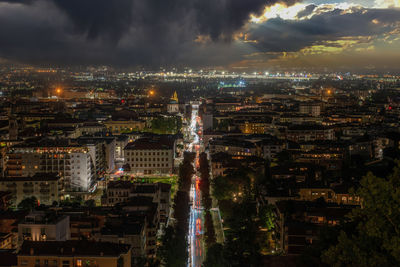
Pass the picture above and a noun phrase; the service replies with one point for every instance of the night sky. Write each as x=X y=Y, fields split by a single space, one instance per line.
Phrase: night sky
x=240 y=35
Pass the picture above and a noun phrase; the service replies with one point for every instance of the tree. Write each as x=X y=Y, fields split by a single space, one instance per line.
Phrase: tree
x=210 y=232
x=215 y=256
x=173 y=251
x=239 y=182
x=28 y=203
x=90 y=203
x=376 y=238
x=166 y=125
x=186 y=172
x=242 y=244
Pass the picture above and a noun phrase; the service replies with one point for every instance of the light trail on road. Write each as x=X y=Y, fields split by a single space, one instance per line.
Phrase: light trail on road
x=196 y=223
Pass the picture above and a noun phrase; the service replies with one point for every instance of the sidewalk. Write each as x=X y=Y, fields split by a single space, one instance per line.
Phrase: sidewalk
x=217 y=222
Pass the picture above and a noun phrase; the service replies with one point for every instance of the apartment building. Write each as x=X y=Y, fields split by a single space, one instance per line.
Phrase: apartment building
x=122 y=191
x=76 y=253
x=151 y=155
x=301 y=133
x=313 y=109
x=46 y=187
x=71 y=161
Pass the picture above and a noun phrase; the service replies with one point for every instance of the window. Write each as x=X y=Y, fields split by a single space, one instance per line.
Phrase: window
x=79 y=263
x=24 y=262
x=37 y=262
x=46 y=262
x=65 y=264
x=55 y=263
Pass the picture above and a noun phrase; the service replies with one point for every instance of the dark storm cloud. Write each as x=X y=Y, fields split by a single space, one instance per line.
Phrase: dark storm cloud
x=212 y=17
x=306 y=11
x=278 y=35
x=154 y=32
x=125 y=32
x=98 y=17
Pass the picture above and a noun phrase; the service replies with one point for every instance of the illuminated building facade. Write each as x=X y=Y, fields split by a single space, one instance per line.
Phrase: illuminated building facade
x=72 y=162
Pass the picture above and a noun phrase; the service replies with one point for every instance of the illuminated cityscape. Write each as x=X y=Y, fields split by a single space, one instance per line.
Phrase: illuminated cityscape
x=199 y=133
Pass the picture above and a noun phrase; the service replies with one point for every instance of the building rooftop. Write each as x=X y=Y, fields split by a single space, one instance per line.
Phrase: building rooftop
x=152 y=143
x=35 y=178
x=41 y=217
x=71 y=248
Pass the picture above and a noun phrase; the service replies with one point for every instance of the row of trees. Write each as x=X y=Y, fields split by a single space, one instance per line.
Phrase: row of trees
x=236 y=193
x=166 y=125
x=206 y=199
x=248 y=225
x=174 y=249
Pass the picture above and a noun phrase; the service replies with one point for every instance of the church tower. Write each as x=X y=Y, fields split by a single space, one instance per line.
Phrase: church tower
x=175 y=97
x=173 y=106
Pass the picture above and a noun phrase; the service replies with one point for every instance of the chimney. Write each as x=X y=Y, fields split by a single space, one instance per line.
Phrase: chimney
x=73 y=250
x=101 y=254
x=62 y=250
x=31 y=251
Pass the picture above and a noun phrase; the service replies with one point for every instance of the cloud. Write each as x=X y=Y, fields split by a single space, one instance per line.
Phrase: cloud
x=326 y=38
x=126 y=32
x=308 y=10
x=189 y=32
x=278 y=35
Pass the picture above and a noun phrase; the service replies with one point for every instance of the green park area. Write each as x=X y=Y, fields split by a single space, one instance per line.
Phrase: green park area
x=168 y=179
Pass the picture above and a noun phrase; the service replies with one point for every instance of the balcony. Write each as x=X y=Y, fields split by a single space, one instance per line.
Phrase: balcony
x=45 y=191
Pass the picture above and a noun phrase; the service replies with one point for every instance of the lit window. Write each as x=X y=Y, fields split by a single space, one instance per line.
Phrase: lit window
x=79 y=263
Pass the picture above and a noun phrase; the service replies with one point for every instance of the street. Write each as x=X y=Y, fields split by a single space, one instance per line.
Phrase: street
x=196 y=221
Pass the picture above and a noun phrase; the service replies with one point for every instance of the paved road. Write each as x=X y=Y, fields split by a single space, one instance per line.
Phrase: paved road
x=196 y=221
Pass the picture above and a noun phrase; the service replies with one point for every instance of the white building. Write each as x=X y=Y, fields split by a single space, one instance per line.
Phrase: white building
x=154 y=155
x=72 y=162
x=39 y=226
